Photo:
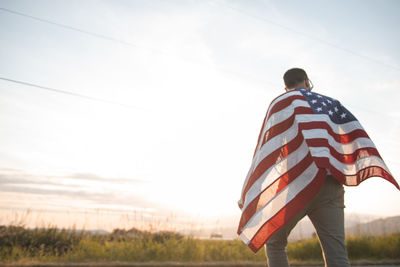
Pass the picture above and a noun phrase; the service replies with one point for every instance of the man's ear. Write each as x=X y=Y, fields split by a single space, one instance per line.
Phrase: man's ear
x=307 y=83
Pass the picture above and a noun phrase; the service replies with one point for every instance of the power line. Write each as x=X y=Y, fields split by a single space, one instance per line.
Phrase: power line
x=304 y=34
x=112 y=39
x=55 y=90
x=105 y=37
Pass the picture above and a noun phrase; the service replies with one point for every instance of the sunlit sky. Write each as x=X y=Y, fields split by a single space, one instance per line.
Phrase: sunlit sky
x=198 y=77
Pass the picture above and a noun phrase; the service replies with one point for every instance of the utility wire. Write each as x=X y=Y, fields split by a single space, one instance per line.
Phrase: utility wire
x=90 y=97
x=304 y=34
x=108 y=38
x=105 y=37
x=112 y=39
x=70 y=93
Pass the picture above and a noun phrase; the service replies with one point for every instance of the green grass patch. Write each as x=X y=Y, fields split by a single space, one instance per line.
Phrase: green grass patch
x=20 y=245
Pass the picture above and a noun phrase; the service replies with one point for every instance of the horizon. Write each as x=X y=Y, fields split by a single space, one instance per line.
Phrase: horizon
x=154 y=108
x=202 y=229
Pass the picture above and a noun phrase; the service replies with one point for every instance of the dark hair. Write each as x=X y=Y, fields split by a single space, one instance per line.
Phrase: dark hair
x=294 y=76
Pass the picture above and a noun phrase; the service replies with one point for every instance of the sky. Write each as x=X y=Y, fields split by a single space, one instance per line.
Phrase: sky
x=182 y=88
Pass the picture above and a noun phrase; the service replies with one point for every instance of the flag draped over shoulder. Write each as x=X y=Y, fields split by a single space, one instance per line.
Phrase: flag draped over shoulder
x=304 y=134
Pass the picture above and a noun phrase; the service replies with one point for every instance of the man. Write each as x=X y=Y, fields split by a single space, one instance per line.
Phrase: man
x=325 y=210
x=308 y=147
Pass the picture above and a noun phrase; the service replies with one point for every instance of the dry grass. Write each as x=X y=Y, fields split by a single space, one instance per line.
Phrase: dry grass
x=52 y=246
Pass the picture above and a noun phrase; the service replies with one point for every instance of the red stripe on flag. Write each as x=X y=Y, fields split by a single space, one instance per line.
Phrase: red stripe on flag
x=344 y=158
x=286 y=124
x=271 y=160
x=340 y=138
x=272 y=190
x=259 y=136
x=288 y=212
x=277 y=107
x=361 y=175
x=284 y=103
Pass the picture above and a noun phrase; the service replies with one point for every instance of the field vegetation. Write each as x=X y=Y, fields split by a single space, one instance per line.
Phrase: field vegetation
x=18 y=245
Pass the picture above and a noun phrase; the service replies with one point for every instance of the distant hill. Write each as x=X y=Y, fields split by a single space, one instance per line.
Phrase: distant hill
x=378 y=227
x=355 y=224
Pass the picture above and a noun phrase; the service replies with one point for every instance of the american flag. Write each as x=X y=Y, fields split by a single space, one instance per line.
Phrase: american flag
x=304 y=134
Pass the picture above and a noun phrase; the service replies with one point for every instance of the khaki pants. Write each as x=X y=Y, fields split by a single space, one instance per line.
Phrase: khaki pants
x=326 y=213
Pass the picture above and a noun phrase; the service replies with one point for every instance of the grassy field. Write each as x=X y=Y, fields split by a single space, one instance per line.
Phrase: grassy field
x=52 y=245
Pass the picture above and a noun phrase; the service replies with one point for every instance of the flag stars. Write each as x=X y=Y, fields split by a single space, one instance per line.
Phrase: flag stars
x=331 y=108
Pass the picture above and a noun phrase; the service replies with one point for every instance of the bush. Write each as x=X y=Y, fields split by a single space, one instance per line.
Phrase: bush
x=51 y=241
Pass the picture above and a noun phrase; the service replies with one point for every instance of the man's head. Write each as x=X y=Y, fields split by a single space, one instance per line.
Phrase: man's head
x=296 y=78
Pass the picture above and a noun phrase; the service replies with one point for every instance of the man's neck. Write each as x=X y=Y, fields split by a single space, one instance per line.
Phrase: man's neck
x=297 y=87
x=291 y=89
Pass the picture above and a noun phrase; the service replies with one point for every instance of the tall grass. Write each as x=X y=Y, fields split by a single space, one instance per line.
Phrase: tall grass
x=379 y=247
x=18 y=244
x=52 y=245
x=359 y=248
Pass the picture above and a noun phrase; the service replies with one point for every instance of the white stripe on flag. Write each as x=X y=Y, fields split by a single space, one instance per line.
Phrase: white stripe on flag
x=353 y=168
x=284 y=114
x=362 y=142
x=337 y=128
x=277 y=203
x=274 y=172
x=280 y=98
x=272 y=145
x=287 y=136
x=263 y=131
x=279 y=117
x=276 y=142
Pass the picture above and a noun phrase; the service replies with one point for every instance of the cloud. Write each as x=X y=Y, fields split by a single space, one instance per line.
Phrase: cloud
x=94 y=177
x=70 y=189
x=18 y=176
x=40 y=191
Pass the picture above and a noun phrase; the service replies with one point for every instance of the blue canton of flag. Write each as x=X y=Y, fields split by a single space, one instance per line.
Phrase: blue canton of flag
x=321 y=104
